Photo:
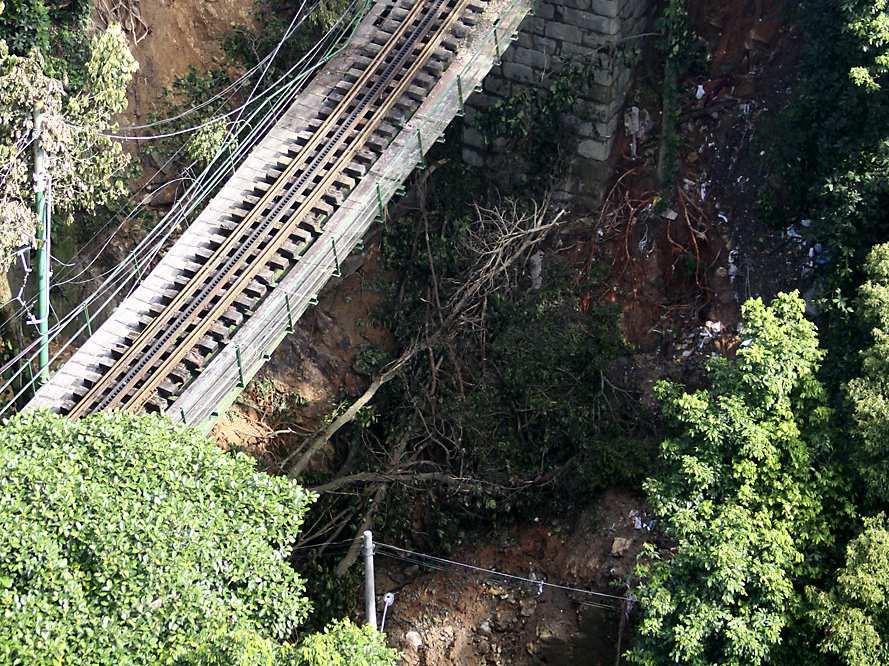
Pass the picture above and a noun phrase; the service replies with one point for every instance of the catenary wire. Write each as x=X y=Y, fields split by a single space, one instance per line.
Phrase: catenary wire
x=191 y=200
x=500 y=574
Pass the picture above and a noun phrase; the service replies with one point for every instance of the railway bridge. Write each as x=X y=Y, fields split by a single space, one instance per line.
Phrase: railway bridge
x=221 y=299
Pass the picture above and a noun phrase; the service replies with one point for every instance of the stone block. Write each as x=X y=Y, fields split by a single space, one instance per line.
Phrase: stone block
x=525 y=40
x=546 y=45
x=534 y=25
x=546 y=10
x=578 y=4
x=608 y=128
x=574 y=52
x=515 y=71
x=590 y=22
x=595 y=41
x=594 y=149
x=564 y=32
x=605 y=76
x=530 y=58
x=586 y=129
x=496 y=85
x=609 y=8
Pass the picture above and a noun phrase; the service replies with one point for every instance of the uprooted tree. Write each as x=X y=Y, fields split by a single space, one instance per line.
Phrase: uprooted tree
x=500 y=386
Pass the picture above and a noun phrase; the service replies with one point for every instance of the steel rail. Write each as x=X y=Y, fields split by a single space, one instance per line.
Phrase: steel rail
x=319 y=162
x=143 y=393
x=151 y=331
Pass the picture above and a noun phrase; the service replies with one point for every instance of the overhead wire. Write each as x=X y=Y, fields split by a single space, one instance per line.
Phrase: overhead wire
x=231 y=86
x=499 y=574
x=195 y=194
x=288 y=33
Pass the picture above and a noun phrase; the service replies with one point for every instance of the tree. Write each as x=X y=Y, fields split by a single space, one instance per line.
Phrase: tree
x=869 y=393
x=132 y=541
x=738 y=496
x=86 y=167
x=869 y=23
x=854 y=615
x=128 y=539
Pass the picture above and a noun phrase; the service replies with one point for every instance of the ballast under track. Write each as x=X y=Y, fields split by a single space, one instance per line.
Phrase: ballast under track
x=283 y=214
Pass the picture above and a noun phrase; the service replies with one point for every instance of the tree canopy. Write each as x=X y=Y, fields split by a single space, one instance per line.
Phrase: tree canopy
x=130 y=540
x=738 y=496
x=869 y=393
x=87 y=168
x=133 y=541
x=854 y=614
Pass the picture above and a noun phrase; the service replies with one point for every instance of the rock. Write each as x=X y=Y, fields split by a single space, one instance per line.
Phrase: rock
x=505 y=619
x=527 y=607
x=414 y=640
x=620 y=546
x=485 y=627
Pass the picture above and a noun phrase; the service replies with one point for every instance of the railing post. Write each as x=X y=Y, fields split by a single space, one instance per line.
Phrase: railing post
x=336 y=258
x=241 y=381
x=422 y=163
x=289 y=313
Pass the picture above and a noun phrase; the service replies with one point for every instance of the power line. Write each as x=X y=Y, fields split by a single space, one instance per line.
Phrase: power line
x=199 y=189
x=234 y=84
x=144 y=202
x=500 y=574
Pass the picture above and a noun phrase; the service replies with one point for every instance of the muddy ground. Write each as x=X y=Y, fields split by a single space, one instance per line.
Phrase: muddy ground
x=457 y=616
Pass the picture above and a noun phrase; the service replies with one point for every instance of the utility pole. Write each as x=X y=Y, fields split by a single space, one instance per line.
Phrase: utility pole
x=41 y=185
x=370 y=602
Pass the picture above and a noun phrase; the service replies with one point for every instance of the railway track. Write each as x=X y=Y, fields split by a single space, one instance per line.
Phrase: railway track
x=283 y=214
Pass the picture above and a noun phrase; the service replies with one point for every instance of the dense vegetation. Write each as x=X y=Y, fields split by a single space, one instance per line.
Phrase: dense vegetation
x=764 y=486
x=135 y=542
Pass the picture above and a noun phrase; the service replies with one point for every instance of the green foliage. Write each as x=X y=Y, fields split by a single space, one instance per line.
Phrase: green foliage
x=58 y=30
x=531 y=124
x=677 y=45
x=248 y=46
x=545 y=400
x=136 y=542
x=739 y=496
x=345 y=644
x=25 y=25
x=833 y=153
x=85 y=166
x=854 y=615
x=870 y=25
x=869 y=393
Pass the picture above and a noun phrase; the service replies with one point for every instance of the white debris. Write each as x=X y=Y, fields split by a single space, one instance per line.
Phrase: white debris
x=700 y=92
x=414 y=640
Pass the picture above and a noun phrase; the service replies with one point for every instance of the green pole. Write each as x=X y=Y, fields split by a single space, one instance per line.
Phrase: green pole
x=43 y=245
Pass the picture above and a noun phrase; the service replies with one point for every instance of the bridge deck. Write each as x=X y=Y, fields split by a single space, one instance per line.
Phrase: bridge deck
x=244 y=339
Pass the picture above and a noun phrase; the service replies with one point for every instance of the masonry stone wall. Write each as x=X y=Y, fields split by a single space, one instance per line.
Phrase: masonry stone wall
x=594 y=34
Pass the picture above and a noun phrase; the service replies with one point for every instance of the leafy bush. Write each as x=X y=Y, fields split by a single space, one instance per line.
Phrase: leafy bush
x=740 y=497
x=345 y=644
x=854 y=615
x=126 y=540
x=25 y=24
x=869 y=393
